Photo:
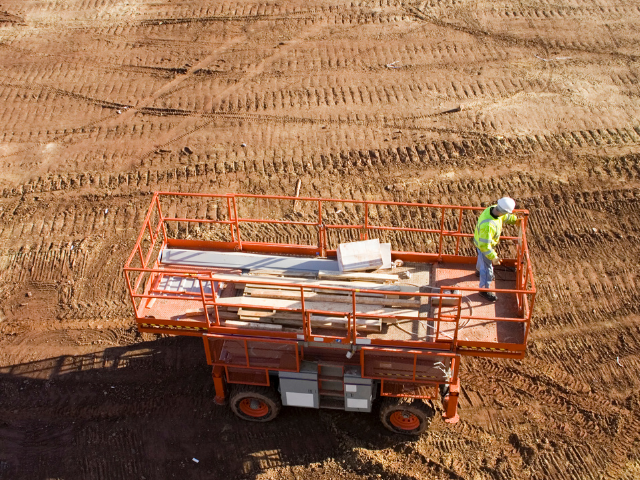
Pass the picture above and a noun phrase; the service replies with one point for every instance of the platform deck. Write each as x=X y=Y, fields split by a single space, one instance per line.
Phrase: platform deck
x=476 y=327
x=426 y=278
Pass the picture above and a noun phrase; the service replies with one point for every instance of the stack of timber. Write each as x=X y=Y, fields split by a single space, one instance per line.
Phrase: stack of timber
x=258 y=304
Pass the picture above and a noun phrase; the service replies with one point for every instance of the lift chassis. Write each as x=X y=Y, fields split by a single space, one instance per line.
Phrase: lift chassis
x=282 y=326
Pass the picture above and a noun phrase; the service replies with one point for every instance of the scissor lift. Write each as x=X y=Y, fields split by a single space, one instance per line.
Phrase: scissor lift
x=281 y=325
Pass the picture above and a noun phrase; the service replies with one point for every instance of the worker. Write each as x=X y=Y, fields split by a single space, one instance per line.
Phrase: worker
x=486 y=237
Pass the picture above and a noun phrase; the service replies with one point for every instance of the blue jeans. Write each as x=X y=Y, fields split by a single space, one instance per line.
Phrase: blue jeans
x=485 y=267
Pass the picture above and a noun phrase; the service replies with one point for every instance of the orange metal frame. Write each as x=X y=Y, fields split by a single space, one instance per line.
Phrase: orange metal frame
x=156 y=235
x=215 y=360
x=142 y=279
x=453 y=377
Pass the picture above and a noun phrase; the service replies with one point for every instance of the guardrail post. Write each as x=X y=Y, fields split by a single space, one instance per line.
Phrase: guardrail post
x=215 y=300
x=440 y=242
x=439 y=313
x=415 y=365
x=365 y=230
x=321 y=232
x=131 y=292
x=233 y=234
x=235 y=212
x=455 y=333
x=306 y=316
x=160 y=217
x=355 y=321
x=520 y=271
x=459 y=231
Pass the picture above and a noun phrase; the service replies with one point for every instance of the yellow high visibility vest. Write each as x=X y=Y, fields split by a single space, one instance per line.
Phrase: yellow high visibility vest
x=488 y=230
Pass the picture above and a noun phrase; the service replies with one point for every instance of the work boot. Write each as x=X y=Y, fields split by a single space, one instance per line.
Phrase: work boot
x=477 y=273
x=489 y=296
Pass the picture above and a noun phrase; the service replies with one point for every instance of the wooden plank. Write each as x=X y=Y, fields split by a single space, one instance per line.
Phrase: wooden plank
x=250 y=287
x=371 y=277
x=293 y=273
x=362 y=324
x=446 y=301
x=332 y=307
x=324 y=291
x=272 y=305
x=318 y=324
x=317 y=321
x=352 y=285
x=194 y=313
x=315 y=285
x=297 y=317
x=259 y=326
x=316 y=297
x=222 y=311
x=290 y=319
x=227 y=277
x=248 y=312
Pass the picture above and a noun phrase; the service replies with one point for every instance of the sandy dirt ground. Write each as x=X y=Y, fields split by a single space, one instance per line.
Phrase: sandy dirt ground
x=441 y=101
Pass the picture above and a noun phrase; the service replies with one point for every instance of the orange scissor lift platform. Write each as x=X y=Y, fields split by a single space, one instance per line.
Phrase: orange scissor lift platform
x=222 y=267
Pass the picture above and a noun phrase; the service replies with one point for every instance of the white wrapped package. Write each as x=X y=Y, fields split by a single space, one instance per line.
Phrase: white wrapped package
x=358 y=256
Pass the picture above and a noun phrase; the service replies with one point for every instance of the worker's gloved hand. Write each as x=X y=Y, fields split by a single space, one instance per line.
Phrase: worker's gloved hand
x=519 y=221
x=496 y=261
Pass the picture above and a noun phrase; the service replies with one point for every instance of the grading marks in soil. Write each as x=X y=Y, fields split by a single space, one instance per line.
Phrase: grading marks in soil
x=454 y=102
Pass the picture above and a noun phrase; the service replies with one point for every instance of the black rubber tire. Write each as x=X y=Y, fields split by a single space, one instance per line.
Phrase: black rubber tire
x=266 y=395
x=421 y=410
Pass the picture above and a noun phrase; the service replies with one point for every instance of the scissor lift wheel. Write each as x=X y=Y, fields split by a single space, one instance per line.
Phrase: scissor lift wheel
x=406 y=416
x=257 y=404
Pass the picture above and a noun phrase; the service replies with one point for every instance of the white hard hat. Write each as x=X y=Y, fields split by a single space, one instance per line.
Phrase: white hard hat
x=506 y=204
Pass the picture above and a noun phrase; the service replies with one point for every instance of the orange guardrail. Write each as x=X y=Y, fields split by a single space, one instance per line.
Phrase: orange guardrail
x=142 y=268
